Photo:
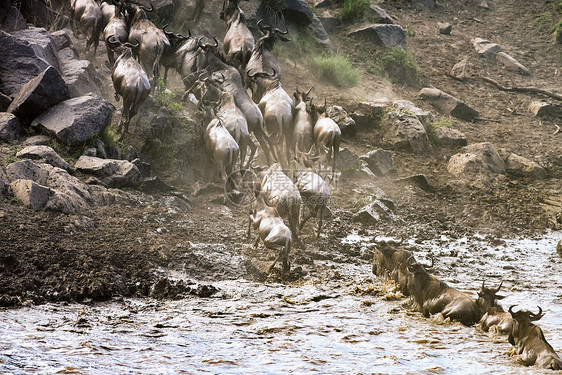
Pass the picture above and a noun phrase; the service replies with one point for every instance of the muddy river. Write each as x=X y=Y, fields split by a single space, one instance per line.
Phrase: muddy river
x=328 y=327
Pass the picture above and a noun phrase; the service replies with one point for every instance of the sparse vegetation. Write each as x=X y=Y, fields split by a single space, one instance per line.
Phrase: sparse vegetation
x=399 y=64
x=168 y=99
x=432 y=126
x=351 y=9
x=334 y=68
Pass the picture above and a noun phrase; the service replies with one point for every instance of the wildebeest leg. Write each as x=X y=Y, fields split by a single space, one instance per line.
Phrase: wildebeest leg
x=293 y=227
x=257 y=241
x=280 y=253
x=304 y=218
x=253 y=149
x=264 y=142
x=320 y=214
x=286 y=250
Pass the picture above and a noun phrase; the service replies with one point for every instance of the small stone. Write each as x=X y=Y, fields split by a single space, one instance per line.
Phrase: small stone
x=445 y=28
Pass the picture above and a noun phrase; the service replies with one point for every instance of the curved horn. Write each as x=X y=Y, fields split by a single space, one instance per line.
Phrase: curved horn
x=309 y=90
x=409 y=261
x=168 y=33
x=483 y=281
x=199 y=42
x=498 y=288
x=536 y=316
x=282 y=32
x=146 y=9
x=220 y=81
x=511 y=309
x=112 y=42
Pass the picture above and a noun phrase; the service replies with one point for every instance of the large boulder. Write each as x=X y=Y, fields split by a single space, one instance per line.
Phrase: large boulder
x=42 y=43
x=25 y=55
x=44 y=154
x=448 y=104
x=5 y=102
x=369 y=114
x=381 y=35
x=42 y=186
x=39 y=94
x=11 y=18
x=476 y=159
x=380 y=162
x=10 y=127
x=406 y=132
x=377 y=15
x=74 y=121
x=407 y=106
x=31 y=194
x=340 y=116
x=111 y=172
x=522 y=167
x=450 y=137
x=299 y=12
x=81 y=77
x=347 y=160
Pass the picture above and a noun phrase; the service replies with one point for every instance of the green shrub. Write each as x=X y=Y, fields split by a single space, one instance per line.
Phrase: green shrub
x=334 y=68
x=354 y=8
x=399 y=64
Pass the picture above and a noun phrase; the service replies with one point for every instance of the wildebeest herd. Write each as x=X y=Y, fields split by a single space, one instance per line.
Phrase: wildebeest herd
x=239 y=93
x=433 y=296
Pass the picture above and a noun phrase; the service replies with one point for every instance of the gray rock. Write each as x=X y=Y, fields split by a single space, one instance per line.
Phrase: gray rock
x=448 y=104
x=476 y=159
x=408 y=107
x=458 y=71
x=375 y=211
x=485 y=47
x=376 y=14
x=329 y=21
x=11 y=18
x=381 y=35
x=347 y=160
x=44 y=154
x=511 y=64
x=20 y=63
x=545 y=109
x=42 y=43
x=5 y=102
x=340 y=116
x=10 y=127
x=406 y=132
x=81 y=78
x=3 y=181
x=112 y=173
x=62 y=39
x=299 y=12
x=47 y=187
x=380 y=162
x=75 y=121
x=368 y=115
x=450 y=137
x=37 y=140
x=39 y=94
x=31 y=194
x=445 y=28
x=67 y=55
x=27 y=170
x=523 y=167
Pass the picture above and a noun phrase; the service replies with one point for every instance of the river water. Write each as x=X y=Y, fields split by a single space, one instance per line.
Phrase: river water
x=328 y=327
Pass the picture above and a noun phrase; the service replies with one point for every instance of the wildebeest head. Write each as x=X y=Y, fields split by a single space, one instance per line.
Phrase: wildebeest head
x=522 y=319
x=487 y=297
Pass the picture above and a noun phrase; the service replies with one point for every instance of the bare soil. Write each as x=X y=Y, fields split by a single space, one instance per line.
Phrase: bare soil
x=126 y=248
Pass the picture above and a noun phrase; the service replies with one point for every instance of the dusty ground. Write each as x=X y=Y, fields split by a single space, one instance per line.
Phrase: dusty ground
x=121 y=249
